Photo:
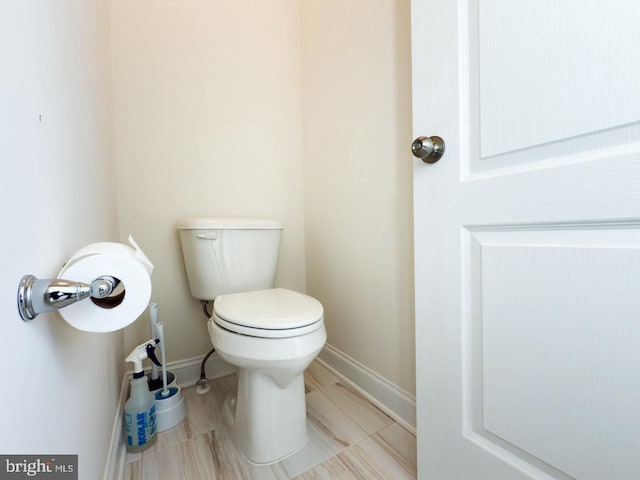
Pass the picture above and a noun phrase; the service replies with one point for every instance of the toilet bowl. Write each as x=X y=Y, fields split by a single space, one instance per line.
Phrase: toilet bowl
x=271 y=336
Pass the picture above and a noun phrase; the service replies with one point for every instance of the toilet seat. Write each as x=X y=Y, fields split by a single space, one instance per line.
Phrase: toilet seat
x=271 y=313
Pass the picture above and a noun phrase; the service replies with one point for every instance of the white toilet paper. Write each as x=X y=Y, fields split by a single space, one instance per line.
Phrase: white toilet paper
x=114 y=249
x=129 y=265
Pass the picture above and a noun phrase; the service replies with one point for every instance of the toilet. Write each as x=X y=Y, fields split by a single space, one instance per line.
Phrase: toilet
x=270 y=335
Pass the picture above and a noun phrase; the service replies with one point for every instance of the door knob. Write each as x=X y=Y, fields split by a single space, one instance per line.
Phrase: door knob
x=428 y=149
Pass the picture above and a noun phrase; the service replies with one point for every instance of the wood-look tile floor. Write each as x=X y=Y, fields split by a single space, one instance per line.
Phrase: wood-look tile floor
x=349 y=438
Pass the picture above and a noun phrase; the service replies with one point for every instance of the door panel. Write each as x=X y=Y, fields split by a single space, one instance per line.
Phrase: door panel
x=555 y=70
x=550 y=79
x=557 y=332
x=527 y=239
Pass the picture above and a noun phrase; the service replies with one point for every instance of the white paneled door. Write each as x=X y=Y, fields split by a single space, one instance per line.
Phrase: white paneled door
x=527 y=239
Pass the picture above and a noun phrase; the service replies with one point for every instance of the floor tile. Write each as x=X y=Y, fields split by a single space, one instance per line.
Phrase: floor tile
x=178 y=434
x=279 y=471
x=223 y=387
x=334 y=468
x=366 y=460
x=204 y=412
x=319 y=448
x=132 y=471
x=376 y=456
x=330 y=430
x=337 y=425
x=316 y=376
x=230 y=463
x=310 y=382
x=365 y=414
x=402 y=442
x=189 y=460
x=133 y=457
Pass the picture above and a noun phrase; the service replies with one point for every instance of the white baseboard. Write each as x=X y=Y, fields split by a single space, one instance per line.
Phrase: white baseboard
x=388 y=397
x=187 y=373
x=116 y=457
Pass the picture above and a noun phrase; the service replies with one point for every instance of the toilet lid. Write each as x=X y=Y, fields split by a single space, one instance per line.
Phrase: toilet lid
x=275 y=312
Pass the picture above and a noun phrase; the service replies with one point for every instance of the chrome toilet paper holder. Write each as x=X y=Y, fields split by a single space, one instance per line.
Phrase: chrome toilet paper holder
x=37 y=296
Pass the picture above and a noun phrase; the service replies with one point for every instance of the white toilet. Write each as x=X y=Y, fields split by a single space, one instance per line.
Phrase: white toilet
x=270 y=334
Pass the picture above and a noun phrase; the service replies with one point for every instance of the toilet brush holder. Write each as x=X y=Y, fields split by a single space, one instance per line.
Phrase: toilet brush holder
x=157 y=384
x=170 y=408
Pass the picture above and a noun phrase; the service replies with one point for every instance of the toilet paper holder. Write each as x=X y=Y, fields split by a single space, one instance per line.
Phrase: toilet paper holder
x=37 y=296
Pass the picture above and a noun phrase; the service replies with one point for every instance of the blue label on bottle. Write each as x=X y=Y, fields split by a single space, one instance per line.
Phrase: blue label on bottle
x=141 y=423
x=128 y=425
x=140 y=427
x=152 y=421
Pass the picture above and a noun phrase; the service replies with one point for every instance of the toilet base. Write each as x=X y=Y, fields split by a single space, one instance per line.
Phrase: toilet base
x=269 y=423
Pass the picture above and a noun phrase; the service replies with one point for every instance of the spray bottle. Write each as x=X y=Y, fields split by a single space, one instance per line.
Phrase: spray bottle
x=140 y=409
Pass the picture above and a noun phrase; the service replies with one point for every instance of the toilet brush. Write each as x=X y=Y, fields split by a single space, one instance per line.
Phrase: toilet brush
x=153 y=378
x=170 y=406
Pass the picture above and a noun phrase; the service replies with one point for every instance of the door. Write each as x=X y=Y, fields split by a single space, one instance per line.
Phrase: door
x=527 y=239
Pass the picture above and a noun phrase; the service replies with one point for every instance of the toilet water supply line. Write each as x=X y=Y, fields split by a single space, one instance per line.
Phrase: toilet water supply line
x=202 y=383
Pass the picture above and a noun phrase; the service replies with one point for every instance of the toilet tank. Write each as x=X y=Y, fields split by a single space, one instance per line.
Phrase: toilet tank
x=229 y=255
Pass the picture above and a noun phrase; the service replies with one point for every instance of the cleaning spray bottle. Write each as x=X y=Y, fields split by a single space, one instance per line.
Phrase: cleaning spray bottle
x=140 y=409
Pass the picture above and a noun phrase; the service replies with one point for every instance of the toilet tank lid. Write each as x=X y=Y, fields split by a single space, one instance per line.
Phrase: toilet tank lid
x=221 y=223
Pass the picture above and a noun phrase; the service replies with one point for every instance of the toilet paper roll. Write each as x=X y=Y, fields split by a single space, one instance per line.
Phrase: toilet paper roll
x=134 y=252
x=116 y=260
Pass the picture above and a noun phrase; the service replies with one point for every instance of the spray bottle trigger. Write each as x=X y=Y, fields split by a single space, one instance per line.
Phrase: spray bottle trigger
x=151 y=353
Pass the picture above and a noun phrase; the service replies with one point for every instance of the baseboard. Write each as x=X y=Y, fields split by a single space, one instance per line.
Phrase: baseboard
x=388 y=397
x=116 y=457
x=187 y=373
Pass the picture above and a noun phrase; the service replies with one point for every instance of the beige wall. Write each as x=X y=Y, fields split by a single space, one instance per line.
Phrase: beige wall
x=57 y=194
x=212 y=102
x=358 y=184
x=207 y=123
